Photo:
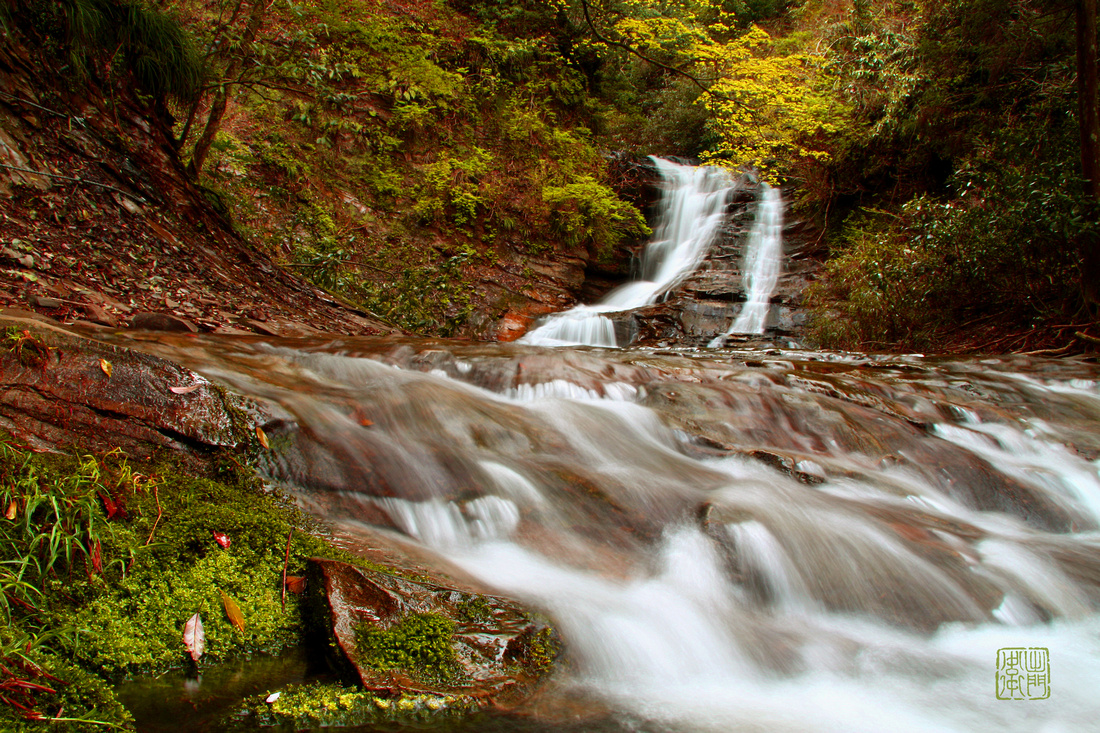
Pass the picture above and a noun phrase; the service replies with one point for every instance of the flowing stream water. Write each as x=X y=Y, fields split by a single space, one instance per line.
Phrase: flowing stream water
x=693 y=208
x=726 y=541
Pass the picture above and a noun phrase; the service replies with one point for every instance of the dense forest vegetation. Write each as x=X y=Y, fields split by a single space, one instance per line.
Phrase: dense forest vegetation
x=387 y=150
x=393 y=151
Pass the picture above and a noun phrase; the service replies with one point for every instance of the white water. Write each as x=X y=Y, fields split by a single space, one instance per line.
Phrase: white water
x=693 y=207
x=775 y=615
x=763 y=261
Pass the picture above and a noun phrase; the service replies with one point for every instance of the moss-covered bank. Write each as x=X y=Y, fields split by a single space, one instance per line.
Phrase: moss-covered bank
x=103 y=561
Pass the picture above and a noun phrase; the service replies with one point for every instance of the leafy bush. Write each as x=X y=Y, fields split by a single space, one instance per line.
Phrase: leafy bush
x=588 y=212
x=1002 y=245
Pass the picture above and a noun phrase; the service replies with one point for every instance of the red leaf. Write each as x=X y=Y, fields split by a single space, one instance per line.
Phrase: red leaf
x=97 y=558
x=222 y=539
x=109 y=504
x=295 y=584
x=194 y=638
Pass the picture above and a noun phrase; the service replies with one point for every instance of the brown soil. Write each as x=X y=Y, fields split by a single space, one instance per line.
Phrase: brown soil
x=99 y=223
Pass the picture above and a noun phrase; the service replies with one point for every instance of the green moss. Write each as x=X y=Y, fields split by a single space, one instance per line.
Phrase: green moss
x=473 y=609
x=160 y=563
x=314 y=706
x=543 y=649
x=419 y=642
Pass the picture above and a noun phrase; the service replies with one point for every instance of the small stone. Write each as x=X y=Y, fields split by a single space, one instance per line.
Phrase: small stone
x=96 y=314
x=161 y=322
x=42 y=301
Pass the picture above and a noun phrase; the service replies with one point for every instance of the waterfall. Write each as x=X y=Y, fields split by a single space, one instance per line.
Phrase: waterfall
x=692 y=208
x=763 y=261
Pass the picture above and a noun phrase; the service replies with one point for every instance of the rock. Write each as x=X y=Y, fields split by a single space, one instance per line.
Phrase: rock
x=453 y=642
x=161 y=322
x=69 y=399
x=42 y=301
x=280 y=328
x=96 y=314
x=513 y=325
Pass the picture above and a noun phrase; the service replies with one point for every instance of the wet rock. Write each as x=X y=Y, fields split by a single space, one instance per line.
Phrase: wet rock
x=68 y=398
x=402 y=636
x=41 y=301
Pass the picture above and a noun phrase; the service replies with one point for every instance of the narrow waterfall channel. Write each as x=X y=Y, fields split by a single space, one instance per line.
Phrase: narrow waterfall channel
x=796 y=542
x=763 y=262
x=693 y=207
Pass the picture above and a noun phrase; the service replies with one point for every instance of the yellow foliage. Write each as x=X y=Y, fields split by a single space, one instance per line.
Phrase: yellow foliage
x=766 y=107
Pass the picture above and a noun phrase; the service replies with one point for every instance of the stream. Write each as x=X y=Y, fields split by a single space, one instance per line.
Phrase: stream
x=726 y=540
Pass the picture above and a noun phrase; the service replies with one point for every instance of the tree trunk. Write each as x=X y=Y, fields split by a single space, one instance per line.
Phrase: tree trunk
x=213 y=124
x=1088 y=97
x=1088 y=101
x=221 y=97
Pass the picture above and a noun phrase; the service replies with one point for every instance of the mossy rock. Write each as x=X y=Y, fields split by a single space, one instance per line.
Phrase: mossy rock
x=402 y=637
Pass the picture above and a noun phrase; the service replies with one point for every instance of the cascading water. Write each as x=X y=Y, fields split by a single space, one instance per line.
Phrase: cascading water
x=813 y=544
x=693 y=207
x=763 y=261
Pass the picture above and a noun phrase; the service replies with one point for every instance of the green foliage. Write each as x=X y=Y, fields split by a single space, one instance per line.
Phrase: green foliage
x=419 y=642
x=588 y=212
x=453 y=183
x=53 y=527
x=1001 y=244
x=107 y=35
x=81 y=699
x=430 y=298
x=86 y=594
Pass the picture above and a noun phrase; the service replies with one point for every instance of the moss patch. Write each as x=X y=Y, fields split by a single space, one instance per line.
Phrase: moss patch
x=420 y=643
x=315 y=706
x=103 y=560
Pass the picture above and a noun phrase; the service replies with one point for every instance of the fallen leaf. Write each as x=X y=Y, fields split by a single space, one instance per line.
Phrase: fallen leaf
x=109 y=504
x=105 y=366
x=185 y=390
x=13 y=510
x=233 y=611
x=97 y=558
x=222 y=539
x=295 y=584
x=194 y=638
x=272 y=697
x=263 y=438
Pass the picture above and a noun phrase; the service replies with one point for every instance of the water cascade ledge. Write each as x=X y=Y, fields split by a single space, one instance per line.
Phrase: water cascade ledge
x=693 y=207
x=785 y=542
